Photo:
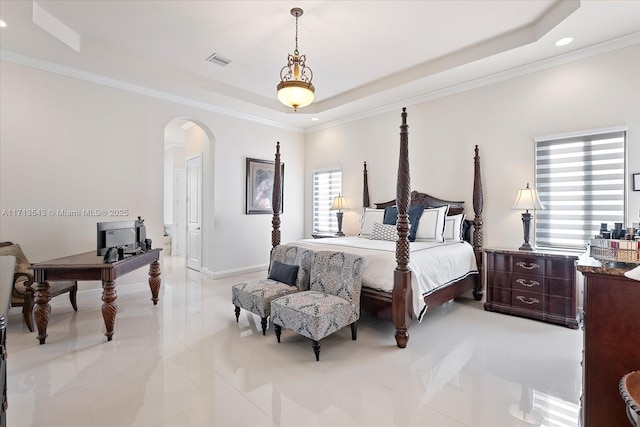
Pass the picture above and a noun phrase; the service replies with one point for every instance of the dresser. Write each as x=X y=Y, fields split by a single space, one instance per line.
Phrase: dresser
x=611 y=343
x=7 y=267
x=536 y=284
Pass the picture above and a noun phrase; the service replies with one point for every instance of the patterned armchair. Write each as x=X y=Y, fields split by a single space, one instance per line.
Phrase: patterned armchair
x=332 y=302
x=289 y=272
x=23 y=290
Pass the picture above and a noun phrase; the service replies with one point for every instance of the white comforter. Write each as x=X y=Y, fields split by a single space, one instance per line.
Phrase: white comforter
x=432 y=265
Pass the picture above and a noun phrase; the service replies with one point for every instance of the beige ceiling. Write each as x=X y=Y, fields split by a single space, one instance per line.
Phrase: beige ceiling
x=366 y=56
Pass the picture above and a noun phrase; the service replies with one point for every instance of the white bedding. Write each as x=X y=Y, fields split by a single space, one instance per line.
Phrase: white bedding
x=432 y=265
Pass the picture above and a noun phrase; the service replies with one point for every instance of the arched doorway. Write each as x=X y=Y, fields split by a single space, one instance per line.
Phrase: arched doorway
x=187 y=190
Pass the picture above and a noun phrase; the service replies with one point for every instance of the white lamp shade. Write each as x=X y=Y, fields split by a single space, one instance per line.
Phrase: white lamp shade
x=339 y=203
x=527 y=199
x=295 y=93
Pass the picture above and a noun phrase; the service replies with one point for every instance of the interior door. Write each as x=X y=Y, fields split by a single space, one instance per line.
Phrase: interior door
x=194 y=212
x=179 y=213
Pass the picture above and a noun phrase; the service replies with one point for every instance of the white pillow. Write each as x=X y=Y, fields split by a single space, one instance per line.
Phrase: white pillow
x=370 y=217
x=431 y=225
x=453 y=227
x=384 y=232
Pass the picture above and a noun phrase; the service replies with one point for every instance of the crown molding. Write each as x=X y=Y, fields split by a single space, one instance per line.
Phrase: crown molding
x=573 y=56
x=576 y=55
x=43 y=65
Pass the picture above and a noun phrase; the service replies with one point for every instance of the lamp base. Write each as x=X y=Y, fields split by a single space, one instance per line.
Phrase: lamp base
x=339 y=215
x=526 y=224
x=526 y=247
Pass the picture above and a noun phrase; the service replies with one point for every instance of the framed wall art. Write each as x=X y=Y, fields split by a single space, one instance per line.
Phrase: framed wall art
x=259 y=190
x=636 y=181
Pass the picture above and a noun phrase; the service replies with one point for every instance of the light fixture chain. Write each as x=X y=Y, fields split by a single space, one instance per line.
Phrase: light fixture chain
x=296 y=51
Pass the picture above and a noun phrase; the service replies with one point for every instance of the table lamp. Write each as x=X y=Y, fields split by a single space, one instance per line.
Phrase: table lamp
x=339 y=203
x=527 y=199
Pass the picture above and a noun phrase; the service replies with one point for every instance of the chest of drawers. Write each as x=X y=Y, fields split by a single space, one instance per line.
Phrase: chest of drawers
x=611 y=343
x=535 y=284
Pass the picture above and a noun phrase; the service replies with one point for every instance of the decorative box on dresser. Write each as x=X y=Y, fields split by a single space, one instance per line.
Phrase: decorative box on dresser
x=611 y=342
x=537 y=284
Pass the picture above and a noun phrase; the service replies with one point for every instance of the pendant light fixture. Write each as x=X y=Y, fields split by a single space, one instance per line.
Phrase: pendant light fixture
x=295 y=89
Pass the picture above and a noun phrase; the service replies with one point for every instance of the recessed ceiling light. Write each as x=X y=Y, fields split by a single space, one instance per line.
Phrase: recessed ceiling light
x=2 y=24
x=314 y=119
x=565 y=41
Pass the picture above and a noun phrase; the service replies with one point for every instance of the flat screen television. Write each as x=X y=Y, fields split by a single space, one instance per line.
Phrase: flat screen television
x=120 y=234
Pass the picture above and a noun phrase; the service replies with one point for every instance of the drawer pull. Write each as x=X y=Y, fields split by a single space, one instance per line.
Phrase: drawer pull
x=530 y=284
x=528 y=300
x=526 y=266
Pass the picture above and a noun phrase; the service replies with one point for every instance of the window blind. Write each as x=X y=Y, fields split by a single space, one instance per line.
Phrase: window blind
x=327 y=185
x=580 y=182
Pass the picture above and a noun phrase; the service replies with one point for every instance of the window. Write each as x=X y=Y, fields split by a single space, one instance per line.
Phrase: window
x=327 y=184
x=580 y=182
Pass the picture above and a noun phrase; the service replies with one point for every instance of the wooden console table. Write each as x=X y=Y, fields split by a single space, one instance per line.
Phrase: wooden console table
x=89 y=266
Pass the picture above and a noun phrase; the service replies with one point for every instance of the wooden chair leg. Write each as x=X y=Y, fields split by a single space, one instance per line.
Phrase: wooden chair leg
x=72 y=297
x=237 y=313
x=354 y=330
x=316 y=349
x=27 y=310
x=263 y=322
x=278 y=330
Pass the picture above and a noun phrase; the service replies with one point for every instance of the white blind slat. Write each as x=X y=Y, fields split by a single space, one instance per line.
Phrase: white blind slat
x=327 y=185
x=580 y=181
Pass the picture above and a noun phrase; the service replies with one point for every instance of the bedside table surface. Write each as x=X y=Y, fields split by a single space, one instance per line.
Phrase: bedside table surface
x=324 y=235
x=535 y=252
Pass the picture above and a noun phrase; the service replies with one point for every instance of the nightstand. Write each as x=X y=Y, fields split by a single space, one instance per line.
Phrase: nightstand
x=324 y=235
x=537 y=284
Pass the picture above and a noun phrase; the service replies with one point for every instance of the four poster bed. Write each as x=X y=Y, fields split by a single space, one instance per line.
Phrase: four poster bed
x=423 y=274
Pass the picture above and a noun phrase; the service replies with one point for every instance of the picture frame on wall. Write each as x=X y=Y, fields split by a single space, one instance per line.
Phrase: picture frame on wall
x=259 y=186
x=636 y=181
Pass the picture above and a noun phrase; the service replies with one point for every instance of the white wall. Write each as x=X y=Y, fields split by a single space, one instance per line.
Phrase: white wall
x=71 y=144
x=503 y=119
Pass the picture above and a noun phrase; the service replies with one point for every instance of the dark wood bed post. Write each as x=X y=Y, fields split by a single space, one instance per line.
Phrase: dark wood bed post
x=478 y=236
x=400 y=306
x=365 y=189
x=276 y=199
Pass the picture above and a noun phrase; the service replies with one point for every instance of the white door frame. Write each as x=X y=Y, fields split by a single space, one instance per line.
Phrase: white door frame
x=179 y=213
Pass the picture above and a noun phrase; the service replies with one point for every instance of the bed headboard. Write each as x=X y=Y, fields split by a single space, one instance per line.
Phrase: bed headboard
x=417 y=198
x=429 y=201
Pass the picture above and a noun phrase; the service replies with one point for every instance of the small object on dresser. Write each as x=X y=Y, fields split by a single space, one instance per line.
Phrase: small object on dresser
x=527 y=199
x=616 y=250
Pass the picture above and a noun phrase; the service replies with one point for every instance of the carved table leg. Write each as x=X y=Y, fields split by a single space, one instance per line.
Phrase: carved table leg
x=154 y=281
x=109 y=308
x=42 y=310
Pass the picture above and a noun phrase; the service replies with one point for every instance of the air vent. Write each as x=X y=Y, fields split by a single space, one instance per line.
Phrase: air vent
x=216 y=58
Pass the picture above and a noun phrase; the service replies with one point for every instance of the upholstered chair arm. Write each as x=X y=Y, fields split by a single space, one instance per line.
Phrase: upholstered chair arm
x=27 y=283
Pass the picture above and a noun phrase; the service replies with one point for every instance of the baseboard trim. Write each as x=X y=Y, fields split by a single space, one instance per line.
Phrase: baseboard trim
x=229 y=273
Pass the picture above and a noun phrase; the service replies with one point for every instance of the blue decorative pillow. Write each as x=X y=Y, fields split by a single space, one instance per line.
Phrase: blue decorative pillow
x=390 y=215
x=415 y=212
x=283 y=273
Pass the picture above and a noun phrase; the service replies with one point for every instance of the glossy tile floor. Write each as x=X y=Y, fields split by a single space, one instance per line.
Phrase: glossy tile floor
x=186 y=362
